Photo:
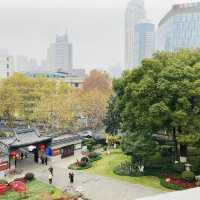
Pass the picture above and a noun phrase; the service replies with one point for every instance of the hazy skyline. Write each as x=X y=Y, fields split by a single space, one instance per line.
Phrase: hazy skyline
x=95 y=27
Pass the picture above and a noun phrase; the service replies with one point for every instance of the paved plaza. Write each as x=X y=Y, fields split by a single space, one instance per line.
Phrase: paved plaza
x=92 y=186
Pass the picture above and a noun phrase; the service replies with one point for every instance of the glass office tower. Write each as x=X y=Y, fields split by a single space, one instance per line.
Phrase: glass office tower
x=180 y=28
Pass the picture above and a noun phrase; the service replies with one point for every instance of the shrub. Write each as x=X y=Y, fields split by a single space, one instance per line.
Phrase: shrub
x=89 y=143
x=84 y=159
x=74 y=166
x=195 y=162
x=157 y=161
x=179 y=167
x=3 y=181
x=29 y=177
x=127 y=169
x=82 y=164
x=93 y=155
x=95 y=158
x=188 y=176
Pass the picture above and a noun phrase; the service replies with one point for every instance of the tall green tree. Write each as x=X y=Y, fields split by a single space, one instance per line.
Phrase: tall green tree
x=162 y=95
x=112 y=117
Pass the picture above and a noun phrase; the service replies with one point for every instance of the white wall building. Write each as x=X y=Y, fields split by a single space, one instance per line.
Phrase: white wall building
x=135 y=13
x=7 y=67
x=59 y=54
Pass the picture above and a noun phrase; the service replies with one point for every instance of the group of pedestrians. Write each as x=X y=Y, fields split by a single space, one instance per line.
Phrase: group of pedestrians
x=70 y=175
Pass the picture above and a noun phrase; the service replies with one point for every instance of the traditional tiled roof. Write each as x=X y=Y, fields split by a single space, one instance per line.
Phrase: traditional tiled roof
x=66 y=140
x=24 y=137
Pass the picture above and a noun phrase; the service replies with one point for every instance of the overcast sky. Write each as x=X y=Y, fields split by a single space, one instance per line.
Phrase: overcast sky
x=95 y=27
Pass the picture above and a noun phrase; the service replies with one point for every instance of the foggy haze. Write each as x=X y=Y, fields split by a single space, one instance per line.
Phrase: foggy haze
x=95 y=27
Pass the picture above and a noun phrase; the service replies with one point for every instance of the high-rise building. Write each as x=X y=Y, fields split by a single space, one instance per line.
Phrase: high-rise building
x=144 y=42
x=59 y=54
x=135 y=13
x=179 y=28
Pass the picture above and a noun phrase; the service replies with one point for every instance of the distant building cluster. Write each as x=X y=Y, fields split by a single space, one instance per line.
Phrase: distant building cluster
x=58 y=64
x=9 y=64
x=179 y=28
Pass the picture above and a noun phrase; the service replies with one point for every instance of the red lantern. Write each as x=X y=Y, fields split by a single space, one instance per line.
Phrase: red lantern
x=13 y=154
x=42 y=146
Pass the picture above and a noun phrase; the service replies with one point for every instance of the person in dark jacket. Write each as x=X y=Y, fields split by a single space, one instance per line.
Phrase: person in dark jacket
x=71 y=177
x=46 y=160
x=51 y=170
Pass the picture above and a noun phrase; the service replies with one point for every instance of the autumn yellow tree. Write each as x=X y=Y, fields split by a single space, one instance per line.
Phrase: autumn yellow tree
x=95 y=93
x=98 y=80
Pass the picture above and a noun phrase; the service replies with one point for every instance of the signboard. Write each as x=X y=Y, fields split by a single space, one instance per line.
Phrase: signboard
x=55 y=152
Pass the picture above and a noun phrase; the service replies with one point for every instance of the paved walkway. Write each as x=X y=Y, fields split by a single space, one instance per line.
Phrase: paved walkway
x=92 y=186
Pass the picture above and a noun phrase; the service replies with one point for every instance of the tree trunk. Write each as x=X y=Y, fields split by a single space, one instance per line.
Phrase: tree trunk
x=175 y=148
x=183 y=150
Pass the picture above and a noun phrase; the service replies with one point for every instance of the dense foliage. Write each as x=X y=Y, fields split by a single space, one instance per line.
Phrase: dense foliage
x=160 y=97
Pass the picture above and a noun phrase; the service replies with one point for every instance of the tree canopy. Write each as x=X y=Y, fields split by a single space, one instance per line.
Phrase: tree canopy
x=53 y=103
x=162 y=95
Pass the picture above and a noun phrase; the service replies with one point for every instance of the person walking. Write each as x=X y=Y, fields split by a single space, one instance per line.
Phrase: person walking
x=71 y=177
x=50 y=178
x=51 y=170
x=46 y=160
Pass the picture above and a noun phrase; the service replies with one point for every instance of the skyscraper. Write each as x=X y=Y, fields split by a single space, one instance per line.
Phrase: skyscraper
x=179 y=28
x=144 y=42
x=59 y=54
x=135 y=13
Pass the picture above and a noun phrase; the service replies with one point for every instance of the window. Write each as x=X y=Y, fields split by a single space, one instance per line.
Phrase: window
x=8 y=74
x=7 y=66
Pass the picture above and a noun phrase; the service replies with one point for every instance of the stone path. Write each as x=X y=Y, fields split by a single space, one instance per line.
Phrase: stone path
x=92 y=186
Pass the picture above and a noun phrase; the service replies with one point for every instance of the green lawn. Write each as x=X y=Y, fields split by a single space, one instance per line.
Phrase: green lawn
x=36 y=191
x=105 y=166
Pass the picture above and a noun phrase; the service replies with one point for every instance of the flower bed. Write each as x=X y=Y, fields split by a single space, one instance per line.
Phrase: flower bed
x=176 y=184
x=4 y=188
x=19 y=184
x=76 y=166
